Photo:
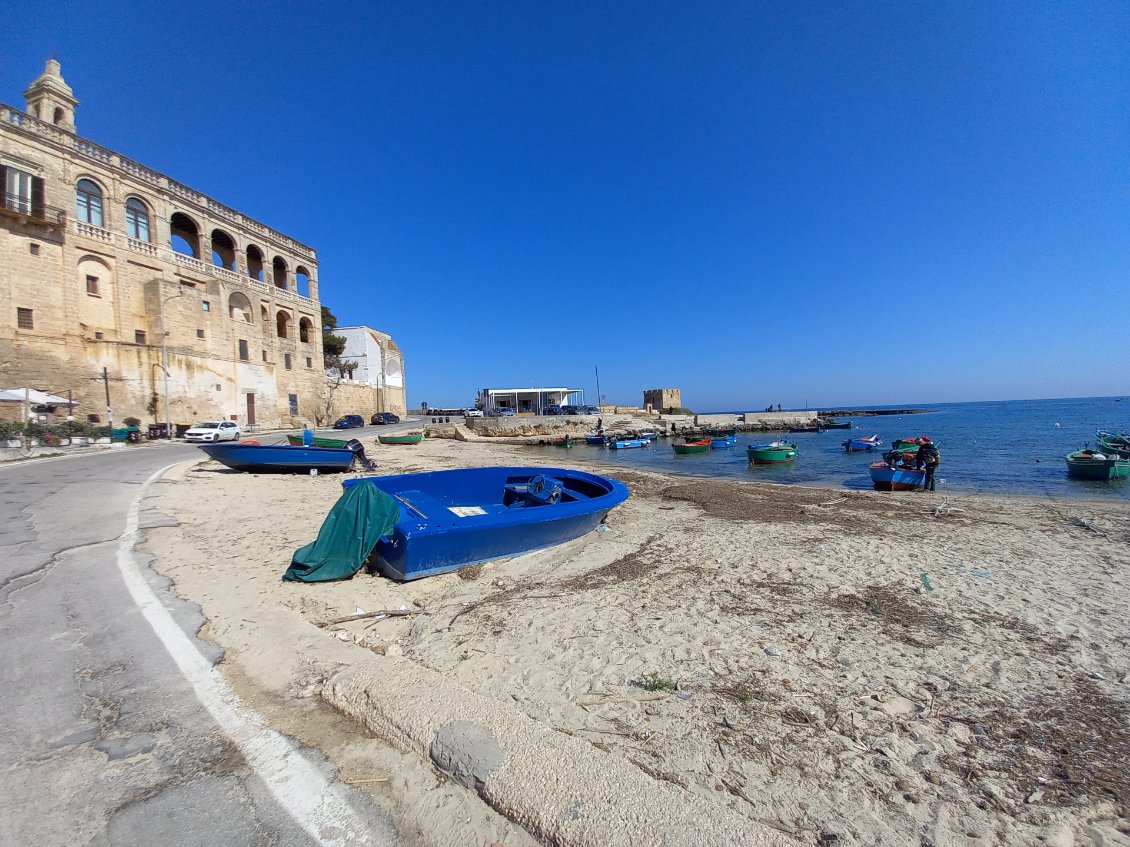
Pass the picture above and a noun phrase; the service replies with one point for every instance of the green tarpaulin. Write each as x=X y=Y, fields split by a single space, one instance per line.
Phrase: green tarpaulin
x=358 y=520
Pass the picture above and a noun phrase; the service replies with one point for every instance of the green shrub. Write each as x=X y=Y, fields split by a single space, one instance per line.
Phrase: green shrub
x=10 y=429
x=654 y=682
x=678 y=410
x=102 y=432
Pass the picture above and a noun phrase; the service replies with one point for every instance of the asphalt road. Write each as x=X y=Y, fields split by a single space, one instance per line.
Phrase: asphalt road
x=117 y=730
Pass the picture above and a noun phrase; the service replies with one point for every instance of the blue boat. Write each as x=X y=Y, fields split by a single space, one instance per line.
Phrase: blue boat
x=595 y=439
x=862 y=445
x=285 y=458
x=900 y=476
x=453 y=518
x=723 y=441
x=627 y=443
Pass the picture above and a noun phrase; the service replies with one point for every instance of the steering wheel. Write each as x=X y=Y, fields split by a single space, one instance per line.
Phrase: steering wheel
x=536 y=484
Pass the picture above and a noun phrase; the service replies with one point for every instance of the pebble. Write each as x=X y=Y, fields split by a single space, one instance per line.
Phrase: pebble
x=773 y=651
x=394 y=650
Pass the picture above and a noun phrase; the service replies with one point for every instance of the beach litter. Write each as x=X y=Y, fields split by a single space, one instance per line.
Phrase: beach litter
x=926 y=582
x=982 y=573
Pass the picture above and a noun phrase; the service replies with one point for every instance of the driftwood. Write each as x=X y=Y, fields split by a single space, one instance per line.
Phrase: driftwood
x=389 y=613
x=365 y=781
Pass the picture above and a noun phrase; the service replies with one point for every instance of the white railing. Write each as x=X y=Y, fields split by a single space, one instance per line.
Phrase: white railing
x=143 y=247
x=95 y=232
x=227 y=274
x=190 y=262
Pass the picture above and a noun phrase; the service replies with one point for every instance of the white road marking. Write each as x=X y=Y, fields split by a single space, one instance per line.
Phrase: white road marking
x=299 y=787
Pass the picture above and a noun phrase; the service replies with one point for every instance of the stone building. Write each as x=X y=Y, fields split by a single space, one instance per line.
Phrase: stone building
x=662 y=398
x=115 y=276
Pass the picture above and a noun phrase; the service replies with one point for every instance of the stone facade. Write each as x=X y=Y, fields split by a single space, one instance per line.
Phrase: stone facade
x=103 y=259
x=662 y=398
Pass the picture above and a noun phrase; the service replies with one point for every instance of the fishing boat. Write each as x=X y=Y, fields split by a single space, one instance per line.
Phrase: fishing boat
x=701 y=445
x=563 y=441
x=896 y=476
x=448 y=519
x=773 y=453
x=717 y=432
x=286 y=458
x=717 y=441
x=596 y=438
x=408 y=438
x=1113 y=443
x=615 y=443
x=832 y=423
x=806 y=428
x=860 y=445
x=1091 y=464
x=316 y=441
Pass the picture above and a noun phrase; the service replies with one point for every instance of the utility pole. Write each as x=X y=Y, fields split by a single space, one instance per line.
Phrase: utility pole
x=106 y=384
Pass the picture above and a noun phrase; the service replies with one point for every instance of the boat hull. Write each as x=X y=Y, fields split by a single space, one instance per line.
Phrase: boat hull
x=280 y=458
x=771 y=454
x=724 y=441
x=628 y=444
x=1085 y=464
x=886 y=478
x=449 y=519
x=401 y=439
x=688 y=449
x=861 y=445
x=595 y=439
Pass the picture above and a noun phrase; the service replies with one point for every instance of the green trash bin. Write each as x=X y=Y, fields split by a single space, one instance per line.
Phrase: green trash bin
x=119 y=433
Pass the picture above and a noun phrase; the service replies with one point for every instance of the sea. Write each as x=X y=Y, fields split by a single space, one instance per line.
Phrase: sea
x=1005 y=447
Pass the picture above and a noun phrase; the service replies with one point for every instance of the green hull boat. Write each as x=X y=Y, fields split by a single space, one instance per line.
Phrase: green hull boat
x=1089 y=464
x=775 y=453
x=701 y=446
x=415 y=438
x=296 y=441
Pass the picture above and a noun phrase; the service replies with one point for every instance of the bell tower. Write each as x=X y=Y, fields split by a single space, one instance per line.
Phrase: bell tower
x=50 y=99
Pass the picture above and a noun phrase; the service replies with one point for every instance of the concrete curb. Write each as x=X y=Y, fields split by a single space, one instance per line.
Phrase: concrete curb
x=560 y=788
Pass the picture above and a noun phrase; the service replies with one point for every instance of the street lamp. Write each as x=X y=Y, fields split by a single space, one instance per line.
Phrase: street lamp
x=165 y=362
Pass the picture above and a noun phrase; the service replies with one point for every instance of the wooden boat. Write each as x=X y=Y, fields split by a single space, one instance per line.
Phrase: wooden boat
x=1113 y=443
x=810 y=428
x=902 y=476
x=860 y=445
x=319 y=441
x=563 y=441
x=453 y=518
x=717 y=441
x=286 y=458
x=702 y=445
x=832 y=423
x=596 y=438
x=409 y=438
x=626 y=443
x=773 y=453
x=1090 y=464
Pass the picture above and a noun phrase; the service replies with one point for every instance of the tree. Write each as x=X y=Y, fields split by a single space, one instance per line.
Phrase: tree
x=337 y=368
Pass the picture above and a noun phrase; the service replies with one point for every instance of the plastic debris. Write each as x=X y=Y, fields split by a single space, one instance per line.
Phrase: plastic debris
x=603 y=528
x=926 y=581
x=980 y=572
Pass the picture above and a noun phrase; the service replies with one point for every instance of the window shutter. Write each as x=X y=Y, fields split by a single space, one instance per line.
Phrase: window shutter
x=4 y=185
x=37 y=204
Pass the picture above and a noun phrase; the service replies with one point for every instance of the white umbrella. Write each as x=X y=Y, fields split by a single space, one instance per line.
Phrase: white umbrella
x=33 y=396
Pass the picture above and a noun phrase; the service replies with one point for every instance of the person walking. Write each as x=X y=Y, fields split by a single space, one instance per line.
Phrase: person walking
x=927 y=458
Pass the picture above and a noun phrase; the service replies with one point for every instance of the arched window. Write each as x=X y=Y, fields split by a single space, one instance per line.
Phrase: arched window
x=254 y=262
x=282 y=321
x=184 y=235
x=137 y=219
x=59 y=115
x=239 y=307
x=88 y=202
x=223 y=250
x=302 y=281
x=278 y=269
x=305 y=330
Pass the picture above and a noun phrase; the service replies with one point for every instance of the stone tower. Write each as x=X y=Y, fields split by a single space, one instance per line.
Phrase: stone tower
x=50 y=99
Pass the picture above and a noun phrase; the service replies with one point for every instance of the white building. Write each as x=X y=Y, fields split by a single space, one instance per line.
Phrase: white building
x=379 y=361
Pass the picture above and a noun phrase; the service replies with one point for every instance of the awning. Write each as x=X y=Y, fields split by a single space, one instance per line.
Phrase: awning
x=33 y=396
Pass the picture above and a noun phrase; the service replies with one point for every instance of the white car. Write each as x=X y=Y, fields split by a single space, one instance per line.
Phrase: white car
x=473 y=413
x=213 y=431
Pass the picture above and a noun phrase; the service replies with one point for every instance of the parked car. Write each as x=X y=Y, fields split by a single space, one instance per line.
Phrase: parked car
x=504 y=412
x=570 y=410
x=589 y=410
x=349 y=421
x=553 y=410
x=213 y=431
x=384 y=418
x=472 y=413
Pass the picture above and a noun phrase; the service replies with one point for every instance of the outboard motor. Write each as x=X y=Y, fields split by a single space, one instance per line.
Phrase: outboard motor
x=359 y=455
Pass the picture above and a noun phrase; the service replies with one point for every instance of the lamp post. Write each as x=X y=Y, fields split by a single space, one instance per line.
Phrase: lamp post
x=165 y=362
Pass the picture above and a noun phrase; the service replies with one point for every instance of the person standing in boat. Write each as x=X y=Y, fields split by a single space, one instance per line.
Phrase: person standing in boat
x=927 y=458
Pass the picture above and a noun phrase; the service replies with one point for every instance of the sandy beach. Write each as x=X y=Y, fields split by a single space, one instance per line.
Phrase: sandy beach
x=841 y=667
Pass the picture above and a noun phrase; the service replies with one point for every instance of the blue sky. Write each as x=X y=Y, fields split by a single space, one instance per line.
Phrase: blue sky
x=831 y=203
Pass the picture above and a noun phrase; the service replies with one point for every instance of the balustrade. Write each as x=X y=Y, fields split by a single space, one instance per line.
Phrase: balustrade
x=95 y=232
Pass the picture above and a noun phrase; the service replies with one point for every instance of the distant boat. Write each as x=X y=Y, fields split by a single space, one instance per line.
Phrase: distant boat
x=627 y=443
x=448 y=519
x=285 y=458
x=717 y=441
x=860 y=445
x=832 y=423
x=1090 y=464
x=318 y=441
x=411 y=438
x=807 y=428
x=901 y=477
x=700 y=446
x=596 y=438
x=773 y=453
